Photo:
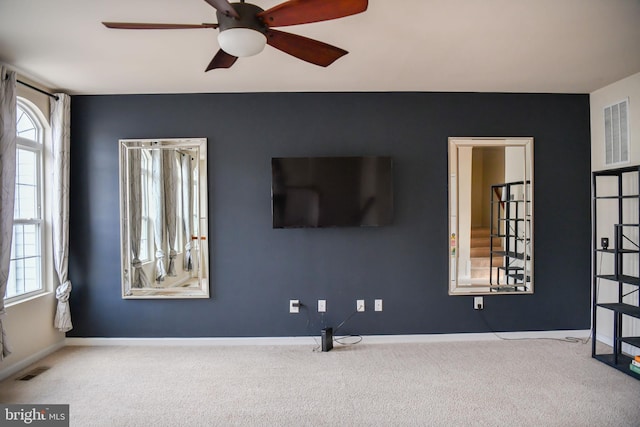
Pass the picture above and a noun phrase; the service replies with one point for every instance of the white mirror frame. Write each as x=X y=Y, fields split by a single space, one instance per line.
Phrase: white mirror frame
x=179 y=269
x=509 y=267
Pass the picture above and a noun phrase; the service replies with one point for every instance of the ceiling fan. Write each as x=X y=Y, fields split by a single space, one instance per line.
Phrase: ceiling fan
x=246 y=28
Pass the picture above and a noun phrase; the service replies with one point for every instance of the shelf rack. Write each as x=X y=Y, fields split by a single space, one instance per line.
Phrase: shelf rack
x=510 y=236
x=623 y=258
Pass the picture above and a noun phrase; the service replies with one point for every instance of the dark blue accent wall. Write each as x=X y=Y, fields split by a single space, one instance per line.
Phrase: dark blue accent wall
x=256 y=269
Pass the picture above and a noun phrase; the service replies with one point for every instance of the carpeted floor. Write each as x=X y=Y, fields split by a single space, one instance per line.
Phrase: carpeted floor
x=488 y=383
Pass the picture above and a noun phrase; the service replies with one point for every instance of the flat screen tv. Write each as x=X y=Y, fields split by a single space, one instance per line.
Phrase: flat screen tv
x=331 y=191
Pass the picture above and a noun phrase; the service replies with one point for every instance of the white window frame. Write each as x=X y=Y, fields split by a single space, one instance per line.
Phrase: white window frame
x=39 y=147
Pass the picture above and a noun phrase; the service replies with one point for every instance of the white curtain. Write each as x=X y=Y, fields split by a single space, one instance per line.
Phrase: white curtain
x=139 y=278
x=170 y=208
x=159 y=224
x=187 y=202
x=60 y=147
x=7 y=186
x=164 y=172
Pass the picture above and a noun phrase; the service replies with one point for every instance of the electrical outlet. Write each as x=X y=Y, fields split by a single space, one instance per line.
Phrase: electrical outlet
x=378 y=305
x=322 y=305
x=478 y=303
x=294 y=306
x=360 y=305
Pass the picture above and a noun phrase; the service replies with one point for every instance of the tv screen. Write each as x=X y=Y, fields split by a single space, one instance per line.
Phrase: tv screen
x=331 y=191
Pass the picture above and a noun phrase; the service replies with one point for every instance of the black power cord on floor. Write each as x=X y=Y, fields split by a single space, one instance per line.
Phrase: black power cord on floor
x=336 y=339
x=340 y=340
x=309 y=330
x=575 y=340
x=566 y=339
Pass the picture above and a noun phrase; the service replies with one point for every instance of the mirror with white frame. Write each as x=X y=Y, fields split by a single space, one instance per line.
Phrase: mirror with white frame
x=490 y=216
x=163 y=218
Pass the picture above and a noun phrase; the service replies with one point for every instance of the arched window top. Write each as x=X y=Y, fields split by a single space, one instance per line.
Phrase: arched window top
x=27 y=123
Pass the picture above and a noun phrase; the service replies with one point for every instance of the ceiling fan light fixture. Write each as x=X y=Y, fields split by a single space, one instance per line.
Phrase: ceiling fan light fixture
x=242 y=42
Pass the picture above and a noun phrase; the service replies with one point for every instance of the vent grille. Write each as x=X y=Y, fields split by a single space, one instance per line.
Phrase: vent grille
x=33 y=373
x=616 y=133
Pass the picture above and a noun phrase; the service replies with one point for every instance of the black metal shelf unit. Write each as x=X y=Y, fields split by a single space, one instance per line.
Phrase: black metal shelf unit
x=616 y=195
x=510 y=237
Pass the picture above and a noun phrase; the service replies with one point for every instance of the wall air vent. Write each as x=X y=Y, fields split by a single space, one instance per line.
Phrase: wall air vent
x=616 y=133
x=32 y=373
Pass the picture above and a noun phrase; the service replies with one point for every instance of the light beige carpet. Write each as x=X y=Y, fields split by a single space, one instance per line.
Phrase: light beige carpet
x=489 y=383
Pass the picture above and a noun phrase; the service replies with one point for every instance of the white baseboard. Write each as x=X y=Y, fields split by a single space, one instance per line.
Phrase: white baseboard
x=189 y=341
x=24 y=363
x=490 y=336
x=309 y=340
x=605 y=339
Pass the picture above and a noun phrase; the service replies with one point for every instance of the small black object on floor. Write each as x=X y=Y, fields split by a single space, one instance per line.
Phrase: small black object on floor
x=327 y=339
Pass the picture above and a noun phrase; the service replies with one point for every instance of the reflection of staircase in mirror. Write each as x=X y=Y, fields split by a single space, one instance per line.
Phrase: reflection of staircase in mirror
x=480 y=254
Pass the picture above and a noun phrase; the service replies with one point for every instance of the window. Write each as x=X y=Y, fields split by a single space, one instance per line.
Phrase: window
x=25 y=271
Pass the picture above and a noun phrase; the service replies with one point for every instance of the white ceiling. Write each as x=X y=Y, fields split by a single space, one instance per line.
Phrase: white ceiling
x=556 y=46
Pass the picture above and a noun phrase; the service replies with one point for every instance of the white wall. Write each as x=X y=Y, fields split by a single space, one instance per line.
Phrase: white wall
x=616 y=92
x=29 y=324
x=628 y=88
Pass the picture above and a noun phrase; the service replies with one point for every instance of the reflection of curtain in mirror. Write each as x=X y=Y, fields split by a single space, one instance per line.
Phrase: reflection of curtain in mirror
x=159 y=228
x=7 y=187
x=139 y=278
x=170 y=207
x=187 y=201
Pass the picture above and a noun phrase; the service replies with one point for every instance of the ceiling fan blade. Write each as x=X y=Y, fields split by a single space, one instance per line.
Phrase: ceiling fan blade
x=294 y=12
x=224 y=7
x=152 y=26
x=309 y=50
x=221 y=60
